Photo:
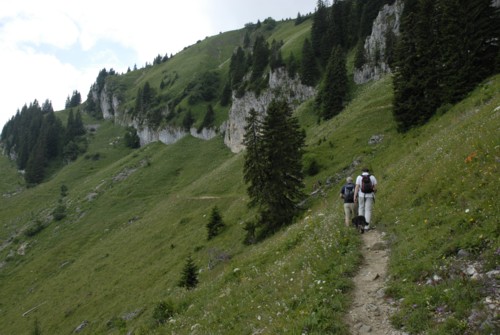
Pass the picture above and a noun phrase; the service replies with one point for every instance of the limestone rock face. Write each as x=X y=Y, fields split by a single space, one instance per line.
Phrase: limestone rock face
x=110 y=107
x=388 y=20
x=280 y=86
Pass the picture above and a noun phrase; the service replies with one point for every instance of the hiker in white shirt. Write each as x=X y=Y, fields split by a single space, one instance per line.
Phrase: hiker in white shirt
x=364 y=195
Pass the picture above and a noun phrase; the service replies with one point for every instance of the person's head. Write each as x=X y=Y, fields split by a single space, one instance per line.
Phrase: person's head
x=349 y=179
x=365 y=169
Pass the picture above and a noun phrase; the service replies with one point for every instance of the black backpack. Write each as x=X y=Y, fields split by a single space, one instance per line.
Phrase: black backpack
x=366 y=184
x=349 y=193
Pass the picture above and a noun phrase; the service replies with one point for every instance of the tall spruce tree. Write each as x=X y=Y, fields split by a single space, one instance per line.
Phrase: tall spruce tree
x=338 y=25
x=320 y=41
x=237 y=68
x=469 y=32
x=446 y=48
x=415 y=79
x=273 y=167
x=309 y=72
x=260 y=58
x=254 y=168
x=282 y=145
x=275 y=58
x=333 y=89
x=36 y=164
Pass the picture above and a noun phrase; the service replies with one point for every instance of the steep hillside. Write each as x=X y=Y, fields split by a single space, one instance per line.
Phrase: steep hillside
x=133 y=217
x=99 y=247
x=187 y=83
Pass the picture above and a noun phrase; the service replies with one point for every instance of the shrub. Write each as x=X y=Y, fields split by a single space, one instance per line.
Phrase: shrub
x=131 y=138
x=163 y=311
x=189 y=278
x=60 y=212
x=313 y=168
x=34 y=229
x=215 y=225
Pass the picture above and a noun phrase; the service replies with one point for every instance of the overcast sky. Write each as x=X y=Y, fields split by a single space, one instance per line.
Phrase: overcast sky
x=50 y=48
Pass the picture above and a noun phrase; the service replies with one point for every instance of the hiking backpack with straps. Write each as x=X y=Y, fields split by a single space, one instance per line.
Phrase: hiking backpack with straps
x=366 y=184
x=349 y=193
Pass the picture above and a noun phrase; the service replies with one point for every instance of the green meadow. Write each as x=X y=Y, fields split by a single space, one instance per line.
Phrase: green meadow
x=133 y=217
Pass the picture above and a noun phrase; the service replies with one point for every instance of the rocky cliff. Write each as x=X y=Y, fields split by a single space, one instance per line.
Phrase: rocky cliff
x=375 y=46
x=280 y=86
x=110 y=108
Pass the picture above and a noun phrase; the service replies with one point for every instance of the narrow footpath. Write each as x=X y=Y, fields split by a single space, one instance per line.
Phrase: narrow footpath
x=371 y=311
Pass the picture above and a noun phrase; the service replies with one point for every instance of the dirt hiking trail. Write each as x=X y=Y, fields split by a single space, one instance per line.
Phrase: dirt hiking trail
x=370 y=310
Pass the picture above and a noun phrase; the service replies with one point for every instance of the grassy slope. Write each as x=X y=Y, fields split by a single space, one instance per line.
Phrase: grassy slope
x=440 y=197
x=124 y=251
x=124 y=242
x=211 y=54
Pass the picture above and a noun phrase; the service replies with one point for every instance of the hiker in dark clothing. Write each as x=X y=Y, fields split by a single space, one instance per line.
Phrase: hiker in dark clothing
x=347 y=193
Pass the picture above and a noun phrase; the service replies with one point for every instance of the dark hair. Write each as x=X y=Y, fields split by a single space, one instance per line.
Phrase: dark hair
x=365 y=169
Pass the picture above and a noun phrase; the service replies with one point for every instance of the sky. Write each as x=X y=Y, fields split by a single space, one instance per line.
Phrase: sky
x=50 y=48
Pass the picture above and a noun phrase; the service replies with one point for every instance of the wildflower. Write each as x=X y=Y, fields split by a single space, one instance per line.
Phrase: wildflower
x=471 y=157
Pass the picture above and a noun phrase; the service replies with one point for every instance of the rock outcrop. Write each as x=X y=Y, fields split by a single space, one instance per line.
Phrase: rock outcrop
x=375 y=47
x=280 y=86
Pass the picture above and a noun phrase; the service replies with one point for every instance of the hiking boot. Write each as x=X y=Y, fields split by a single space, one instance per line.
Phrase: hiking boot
x=367 y=227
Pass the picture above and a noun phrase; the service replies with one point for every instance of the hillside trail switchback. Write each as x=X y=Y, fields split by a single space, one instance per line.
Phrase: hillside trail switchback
x=370 y=311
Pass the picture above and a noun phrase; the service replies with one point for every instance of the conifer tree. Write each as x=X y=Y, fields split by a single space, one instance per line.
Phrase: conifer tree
x=79 y=128
x=416 y=88
x=469 y=32
x=338 y=25
x=260 y=58
x=254 y=168
x=76 y=99
x=70 y=125
x=237 y=67
x=74 y=125
x=215 y=223
x=189 y=276
x=333 y=89
x=47 y=107
x=282 y=147
x=299 y=19
x=246 y=40
x=446 y=47
x=320 y=44
x=359 y=56
x=52 y=132
x=309 y=72
x=275 y=58
x=36 y=165
x=273 y=166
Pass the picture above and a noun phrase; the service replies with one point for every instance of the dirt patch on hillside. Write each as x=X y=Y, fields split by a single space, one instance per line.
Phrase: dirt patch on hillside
x=371 y=310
